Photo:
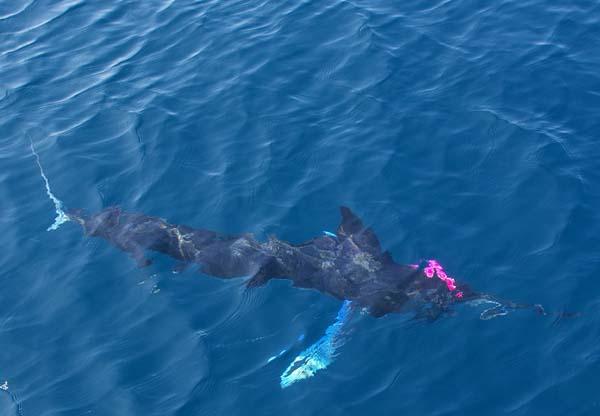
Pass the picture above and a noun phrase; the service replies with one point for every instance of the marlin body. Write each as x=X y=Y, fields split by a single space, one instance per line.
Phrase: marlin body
x=348 y=265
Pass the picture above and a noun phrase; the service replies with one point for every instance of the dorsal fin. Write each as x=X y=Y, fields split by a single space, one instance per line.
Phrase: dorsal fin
x=352 y=227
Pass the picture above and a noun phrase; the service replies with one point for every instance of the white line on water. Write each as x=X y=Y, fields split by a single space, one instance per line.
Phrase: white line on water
x=61 y=217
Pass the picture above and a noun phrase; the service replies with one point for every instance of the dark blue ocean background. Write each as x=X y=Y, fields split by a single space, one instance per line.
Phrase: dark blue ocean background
x=465 y=131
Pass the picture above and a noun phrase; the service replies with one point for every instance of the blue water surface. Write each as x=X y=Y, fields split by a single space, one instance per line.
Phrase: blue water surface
x=465 y=131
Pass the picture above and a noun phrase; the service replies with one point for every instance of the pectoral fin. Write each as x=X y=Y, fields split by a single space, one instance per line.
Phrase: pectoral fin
x=319 y=355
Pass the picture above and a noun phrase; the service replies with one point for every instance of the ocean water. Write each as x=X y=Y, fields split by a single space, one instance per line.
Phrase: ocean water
x=464 y=131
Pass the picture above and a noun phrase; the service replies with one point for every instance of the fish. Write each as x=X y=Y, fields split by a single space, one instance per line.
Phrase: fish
x=349 y=265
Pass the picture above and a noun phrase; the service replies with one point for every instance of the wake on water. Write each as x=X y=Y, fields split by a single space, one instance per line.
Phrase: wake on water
x=61 y=217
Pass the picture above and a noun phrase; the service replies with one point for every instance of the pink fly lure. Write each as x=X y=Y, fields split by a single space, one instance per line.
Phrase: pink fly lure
x=435 y=269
